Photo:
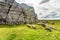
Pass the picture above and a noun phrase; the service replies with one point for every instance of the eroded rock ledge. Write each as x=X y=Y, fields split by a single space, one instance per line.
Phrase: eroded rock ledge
x=12 y=12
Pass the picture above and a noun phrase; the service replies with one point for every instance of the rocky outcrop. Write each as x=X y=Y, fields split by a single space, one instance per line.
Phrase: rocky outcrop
x=12 y=12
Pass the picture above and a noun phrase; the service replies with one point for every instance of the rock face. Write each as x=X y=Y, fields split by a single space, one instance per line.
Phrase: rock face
x=12 y=12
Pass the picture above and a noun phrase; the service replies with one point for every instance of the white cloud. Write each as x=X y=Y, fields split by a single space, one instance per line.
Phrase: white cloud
x=52 y=5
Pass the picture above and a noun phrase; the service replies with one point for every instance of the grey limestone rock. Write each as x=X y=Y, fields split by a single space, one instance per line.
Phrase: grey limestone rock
x=12 y=12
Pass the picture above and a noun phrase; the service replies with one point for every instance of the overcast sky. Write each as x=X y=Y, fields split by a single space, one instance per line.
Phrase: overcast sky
x=51 y=5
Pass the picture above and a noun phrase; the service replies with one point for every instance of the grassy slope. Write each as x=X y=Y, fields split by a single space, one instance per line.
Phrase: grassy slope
x=21 y=32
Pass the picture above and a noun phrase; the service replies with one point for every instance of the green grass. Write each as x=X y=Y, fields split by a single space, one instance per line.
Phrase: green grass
x=21 y=32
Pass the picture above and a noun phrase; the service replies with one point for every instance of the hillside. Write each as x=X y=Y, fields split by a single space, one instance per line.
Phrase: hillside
x=22 y=32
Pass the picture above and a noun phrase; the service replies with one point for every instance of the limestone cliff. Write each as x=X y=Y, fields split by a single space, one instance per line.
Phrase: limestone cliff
x=12 y=12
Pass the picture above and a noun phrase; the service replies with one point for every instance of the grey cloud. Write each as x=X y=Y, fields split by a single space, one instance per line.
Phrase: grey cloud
x=44 y=1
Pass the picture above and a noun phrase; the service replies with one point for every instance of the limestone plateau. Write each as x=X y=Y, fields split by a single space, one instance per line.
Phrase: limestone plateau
x=12 y=12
